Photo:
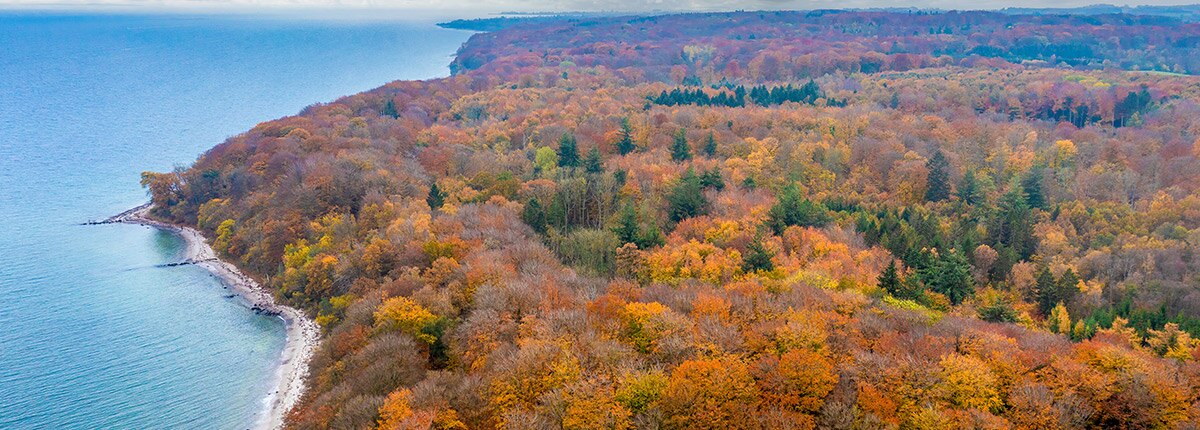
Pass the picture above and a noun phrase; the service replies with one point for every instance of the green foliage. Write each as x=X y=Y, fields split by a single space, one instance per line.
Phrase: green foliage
x=1032 y=185
x=625 y=143
x=686 y=198
x=712 y=179
x=568 y=151
x=593 y=251
x=710 y=145
x=1012 y=226
x=534 y=215
x=680 y=150
x=757 y=257
x=436 y=197
x=950 y=276
x=968 y=190
x=889 y=279
x=793 y=209
x=389 y=109
x=545 y=161
x=939 y=177
x=593 y=163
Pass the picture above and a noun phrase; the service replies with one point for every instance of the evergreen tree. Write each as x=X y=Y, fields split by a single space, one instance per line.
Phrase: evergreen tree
x=1068 y=286
x=625 y=142
x=758 y=257
x=712 y=179
x=389 y=109
x=592 y=163
x=1032 y=185
x=436 y=197
x=1047 y=290
x=534 y=215
x=889 y=280
x=792 y=209
x=710 y=145
x=749 y=183
x=680 y=151
x=951 y=276
x=651 y=237
x=687 y=199
x=968 y=189
x=939 y=177
x=1012 y=225
x=627 y=230
x=568 y=152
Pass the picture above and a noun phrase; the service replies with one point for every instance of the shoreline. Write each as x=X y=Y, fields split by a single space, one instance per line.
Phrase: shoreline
x=302 y=332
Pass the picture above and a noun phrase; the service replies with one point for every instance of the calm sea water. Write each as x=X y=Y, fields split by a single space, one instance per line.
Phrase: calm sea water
x=92 y=334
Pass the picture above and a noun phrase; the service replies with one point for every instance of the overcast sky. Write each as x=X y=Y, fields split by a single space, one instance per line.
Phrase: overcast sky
x=480 y=7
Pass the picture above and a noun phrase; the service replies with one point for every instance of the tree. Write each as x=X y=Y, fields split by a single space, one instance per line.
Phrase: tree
x=568 y=152
x=889 y=280
x=534 y=215
x=389 y=109
x=436 y=197
x=625 y=143
x=938 y=188
x=758 y=257
x=1012 y=226
x=1047 y=290
x=712 y=179
x=687 y=199
x=968 y=189
x=1068 y=286
x=792 y=209
x=627 y=230
x=951 y=276
x=680 y=151
x=716 y=393
x=1032 y=185
x=592 y=163
x=710 y=145
x=406 y=316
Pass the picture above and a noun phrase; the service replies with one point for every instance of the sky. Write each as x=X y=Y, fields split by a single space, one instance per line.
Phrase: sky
x=485 y=7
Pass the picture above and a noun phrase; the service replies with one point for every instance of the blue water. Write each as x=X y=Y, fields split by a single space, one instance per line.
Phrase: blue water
x=92 y=334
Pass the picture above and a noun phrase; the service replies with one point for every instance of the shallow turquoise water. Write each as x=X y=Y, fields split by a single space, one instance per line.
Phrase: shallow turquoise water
x=92 y=334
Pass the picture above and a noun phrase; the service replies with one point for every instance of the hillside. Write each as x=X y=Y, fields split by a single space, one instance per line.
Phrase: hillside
x=741 y=220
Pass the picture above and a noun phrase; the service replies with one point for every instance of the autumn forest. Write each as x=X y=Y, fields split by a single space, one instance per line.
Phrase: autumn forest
x=783 y=220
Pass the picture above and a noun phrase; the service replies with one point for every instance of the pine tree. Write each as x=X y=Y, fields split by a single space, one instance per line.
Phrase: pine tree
x=1068 y=286
x=680 y=151
x=1047 y=290
x=534 y=215
x=436 y=197
x=968 y=189
x=389 y=109
x=951 y=276
x=592 y=163
x=1032 y=185
x=939 y=177
x=889 y=280
x=627 y=225
x=687 y=199
x=568 y=152
x=758 y=257
x=625 y=143
x=792 y=209
x=710 y=145
x=712 y=179
x=1012 y=225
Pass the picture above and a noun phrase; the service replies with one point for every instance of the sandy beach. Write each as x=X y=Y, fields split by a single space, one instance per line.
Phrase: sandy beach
x=302 y=333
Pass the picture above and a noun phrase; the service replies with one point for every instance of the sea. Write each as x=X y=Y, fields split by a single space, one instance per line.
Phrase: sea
x=94 y=331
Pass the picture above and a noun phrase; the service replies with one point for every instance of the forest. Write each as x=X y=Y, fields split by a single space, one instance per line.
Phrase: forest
x=793 y=220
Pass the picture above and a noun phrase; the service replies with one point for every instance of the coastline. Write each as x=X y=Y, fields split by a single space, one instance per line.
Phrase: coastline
x=302 y=332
